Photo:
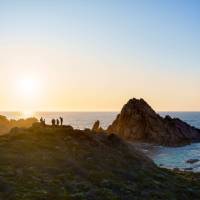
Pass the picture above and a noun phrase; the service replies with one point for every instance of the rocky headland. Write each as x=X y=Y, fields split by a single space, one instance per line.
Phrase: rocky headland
x=44 y=162
x=139 y=122
x=57 y=163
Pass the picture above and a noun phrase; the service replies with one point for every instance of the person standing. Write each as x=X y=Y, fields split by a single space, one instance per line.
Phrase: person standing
x=57 y=122
x=61 y=121
x=41 y=120
x=53 y=121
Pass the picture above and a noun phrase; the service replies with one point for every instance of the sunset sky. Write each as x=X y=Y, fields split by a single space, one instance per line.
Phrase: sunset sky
x=94 y=55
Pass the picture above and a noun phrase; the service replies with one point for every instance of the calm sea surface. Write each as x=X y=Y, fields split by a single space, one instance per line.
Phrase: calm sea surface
x=165 y=156
x=86 y=119
x=79 y=120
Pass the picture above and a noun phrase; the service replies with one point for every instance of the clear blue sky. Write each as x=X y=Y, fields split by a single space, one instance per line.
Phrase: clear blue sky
x=108 y=50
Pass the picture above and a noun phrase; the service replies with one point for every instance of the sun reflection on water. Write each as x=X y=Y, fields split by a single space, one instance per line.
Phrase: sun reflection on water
x=27 y=114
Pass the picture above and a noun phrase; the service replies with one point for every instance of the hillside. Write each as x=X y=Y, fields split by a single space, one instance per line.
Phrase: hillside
x=60 y=163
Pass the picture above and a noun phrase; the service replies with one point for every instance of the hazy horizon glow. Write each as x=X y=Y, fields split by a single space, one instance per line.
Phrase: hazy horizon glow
x=96 y=55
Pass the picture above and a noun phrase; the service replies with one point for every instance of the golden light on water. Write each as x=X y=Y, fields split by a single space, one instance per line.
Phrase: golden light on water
x=27 y=114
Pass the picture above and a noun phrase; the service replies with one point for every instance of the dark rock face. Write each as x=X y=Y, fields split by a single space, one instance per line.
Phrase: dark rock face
x=139 y=122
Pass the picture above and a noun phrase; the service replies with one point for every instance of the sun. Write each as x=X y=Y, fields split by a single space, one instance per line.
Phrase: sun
x=28 y=91
x=28 y=87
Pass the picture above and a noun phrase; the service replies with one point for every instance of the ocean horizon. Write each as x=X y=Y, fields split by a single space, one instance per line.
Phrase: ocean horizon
x=85 y=119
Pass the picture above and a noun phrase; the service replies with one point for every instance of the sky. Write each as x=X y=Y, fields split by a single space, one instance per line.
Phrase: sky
x=94 y=55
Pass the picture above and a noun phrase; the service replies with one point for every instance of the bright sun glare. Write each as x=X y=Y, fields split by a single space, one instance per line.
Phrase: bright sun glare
x=27 y=94
x=28 y=87
x=28 y=91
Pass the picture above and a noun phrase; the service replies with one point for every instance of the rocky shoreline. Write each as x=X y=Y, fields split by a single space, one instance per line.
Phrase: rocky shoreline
x=184 y=158
x=60 y=162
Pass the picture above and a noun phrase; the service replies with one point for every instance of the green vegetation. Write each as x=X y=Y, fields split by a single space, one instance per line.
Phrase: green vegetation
x=46 y=163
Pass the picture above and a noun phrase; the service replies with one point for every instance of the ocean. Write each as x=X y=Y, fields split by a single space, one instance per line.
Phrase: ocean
x=79 y=120
x=83 y=120
x=168 y=157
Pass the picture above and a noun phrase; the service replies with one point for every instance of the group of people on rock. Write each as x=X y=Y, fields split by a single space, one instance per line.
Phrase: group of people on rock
x=57 y=122
x=54 y=122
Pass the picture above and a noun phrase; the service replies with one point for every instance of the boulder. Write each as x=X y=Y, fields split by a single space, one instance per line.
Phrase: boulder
x=192 y=161
x=96 y=127
x=139 y=122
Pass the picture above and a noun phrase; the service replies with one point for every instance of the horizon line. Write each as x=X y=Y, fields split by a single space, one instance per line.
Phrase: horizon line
x=114 y=111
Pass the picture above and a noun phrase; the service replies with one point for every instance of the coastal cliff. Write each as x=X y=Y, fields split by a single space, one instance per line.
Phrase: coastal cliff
x=56 y=163
x=139 y=122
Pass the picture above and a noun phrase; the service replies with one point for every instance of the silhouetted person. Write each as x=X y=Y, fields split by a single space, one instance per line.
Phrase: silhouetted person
x=57 y=122
x=44 y=122
x=53 y=121
x=41 y=120
x=61 y=121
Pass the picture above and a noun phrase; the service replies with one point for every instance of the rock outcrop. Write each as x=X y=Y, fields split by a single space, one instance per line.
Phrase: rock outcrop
x=139 y=122
x=97 y=128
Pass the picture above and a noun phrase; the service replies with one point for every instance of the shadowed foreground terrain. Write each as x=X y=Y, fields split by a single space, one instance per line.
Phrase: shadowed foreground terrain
x=46 y=163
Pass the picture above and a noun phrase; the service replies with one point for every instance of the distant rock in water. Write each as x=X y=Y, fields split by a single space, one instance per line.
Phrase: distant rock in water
x=139 y=122
x=96 y=127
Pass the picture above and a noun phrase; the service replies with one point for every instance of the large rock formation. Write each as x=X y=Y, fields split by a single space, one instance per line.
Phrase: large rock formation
x=139 y=122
